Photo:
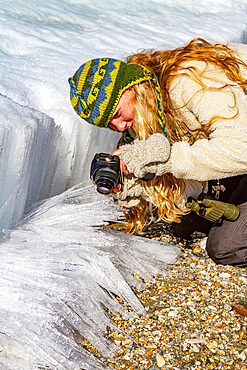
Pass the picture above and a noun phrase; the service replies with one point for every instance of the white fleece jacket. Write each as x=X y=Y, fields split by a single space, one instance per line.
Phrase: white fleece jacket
x=223 y=154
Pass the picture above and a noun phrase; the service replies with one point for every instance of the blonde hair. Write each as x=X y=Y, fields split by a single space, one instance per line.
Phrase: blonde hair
x=165 y=192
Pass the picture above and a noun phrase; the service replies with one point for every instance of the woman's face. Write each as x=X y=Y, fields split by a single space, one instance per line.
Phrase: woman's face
x=123 y=115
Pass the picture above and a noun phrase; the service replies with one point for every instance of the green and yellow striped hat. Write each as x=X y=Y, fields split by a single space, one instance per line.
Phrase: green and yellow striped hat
x=96 y=87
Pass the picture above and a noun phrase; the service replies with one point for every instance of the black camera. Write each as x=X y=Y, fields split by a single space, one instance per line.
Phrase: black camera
x=105 y=174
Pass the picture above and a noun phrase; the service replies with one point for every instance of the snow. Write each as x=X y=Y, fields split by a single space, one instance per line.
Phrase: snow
x=58 y=266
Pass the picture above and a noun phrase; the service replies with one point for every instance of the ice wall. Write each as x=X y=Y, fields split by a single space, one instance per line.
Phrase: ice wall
x=37 y=160
x=28 y=159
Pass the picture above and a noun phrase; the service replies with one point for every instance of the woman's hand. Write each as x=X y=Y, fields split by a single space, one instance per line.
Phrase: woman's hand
x=117 y=189
x=123 y=167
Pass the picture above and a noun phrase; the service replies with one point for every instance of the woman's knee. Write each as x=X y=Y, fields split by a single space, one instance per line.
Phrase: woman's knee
x=227 y=244
x=234 y=257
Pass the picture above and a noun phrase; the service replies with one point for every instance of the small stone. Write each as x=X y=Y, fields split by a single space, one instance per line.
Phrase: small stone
x=242 y=355
x=212 y=366
x=192 y=309
x=126 y=342
x=196 y=341
x=203 y=243
x=212 y=308
x=243 y=279
x=197 y=250
x=195 y=348
x=160 y=360
x=214 y=344
x=172 y=313
x=227 y=307
x=167 y=357
x=227 y=359
x=221 y=353
x=149 y=352
x=224 y=275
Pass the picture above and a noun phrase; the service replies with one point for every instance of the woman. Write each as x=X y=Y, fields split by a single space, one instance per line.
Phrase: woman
x=183 y=114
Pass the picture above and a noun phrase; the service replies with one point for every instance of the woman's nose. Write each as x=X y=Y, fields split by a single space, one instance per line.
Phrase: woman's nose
x=119 y=124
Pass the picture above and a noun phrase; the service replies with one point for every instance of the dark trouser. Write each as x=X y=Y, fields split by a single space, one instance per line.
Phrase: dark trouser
x=226 y=244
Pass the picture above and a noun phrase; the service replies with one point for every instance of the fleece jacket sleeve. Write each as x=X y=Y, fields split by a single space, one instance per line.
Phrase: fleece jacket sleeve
x=149 y=155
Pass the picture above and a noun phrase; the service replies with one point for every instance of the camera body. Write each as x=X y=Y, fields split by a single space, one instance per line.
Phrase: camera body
x=105 y=174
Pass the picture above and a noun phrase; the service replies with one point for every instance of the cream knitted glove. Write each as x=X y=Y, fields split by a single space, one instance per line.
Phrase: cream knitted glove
x=130 y=193
x=151 y=155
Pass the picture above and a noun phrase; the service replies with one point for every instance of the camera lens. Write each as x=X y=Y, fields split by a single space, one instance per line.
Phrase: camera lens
x=104 y=187
x=106 y=180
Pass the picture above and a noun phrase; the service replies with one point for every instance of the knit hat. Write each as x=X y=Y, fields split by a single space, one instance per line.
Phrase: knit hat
x=96 y=87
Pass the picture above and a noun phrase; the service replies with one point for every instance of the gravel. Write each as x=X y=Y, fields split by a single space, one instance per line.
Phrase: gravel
x=196 y=315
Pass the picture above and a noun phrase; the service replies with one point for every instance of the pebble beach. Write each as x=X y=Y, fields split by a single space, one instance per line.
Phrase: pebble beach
x=196 y=316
